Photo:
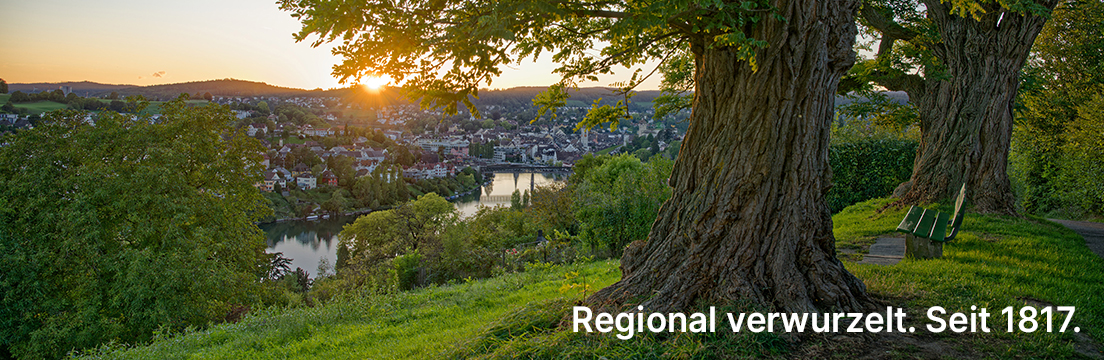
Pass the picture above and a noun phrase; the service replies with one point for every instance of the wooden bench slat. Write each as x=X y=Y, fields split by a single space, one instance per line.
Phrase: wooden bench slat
x=940 y=230
x=927 y=222
x=909 y=223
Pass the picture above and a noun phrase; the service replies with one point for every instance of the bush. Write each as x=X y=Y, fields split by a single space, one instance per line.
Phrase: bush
x=620 y=199
x=1081 y=180
x=106 y=236
x=405 y=270
x=867 y=168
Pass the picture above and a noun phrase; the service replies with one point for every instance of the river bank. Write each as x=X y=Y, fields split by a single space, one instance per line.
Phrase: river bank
x=488 y=179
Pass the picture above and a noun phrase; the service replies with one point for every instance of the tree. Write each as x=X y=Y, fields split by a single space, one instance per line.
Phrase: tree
x=619 y=199
x=380 y=236
x=19 y=97
x=753 y=171
x=1082 y=175
x=3 y=86
x=207 y=96
x=113 y=96
x=126 y=213
x=1063 y=73
x=515 y=200
x=959 y=61
x=551 y=208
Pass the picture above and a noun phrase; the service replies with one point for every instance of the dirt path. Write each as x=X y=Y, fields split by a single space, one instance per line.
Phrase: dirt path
x=1092 y=232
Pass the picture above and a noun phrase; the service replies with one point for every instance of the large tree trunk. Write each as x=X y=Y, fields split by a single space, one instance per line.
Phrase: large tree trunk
x=747 y=219
x=966 y=115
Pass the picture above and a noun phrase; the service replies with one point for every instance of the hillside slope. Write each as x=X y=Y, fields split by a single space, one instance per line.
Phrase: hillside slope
x=995 y=262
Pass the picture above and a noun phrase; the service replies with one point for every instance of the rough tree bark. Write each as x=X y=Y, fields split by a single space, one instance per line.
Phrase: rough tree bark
x=747 y=219
x=966 y=116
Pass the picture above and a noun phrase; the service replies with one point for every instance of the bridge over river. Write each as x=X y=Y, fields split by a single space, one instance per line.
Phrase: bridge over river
x=521 y=168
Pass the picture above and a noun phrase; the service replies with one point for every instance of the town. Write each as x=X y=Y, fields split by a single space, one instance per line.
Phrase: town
x=348 y=150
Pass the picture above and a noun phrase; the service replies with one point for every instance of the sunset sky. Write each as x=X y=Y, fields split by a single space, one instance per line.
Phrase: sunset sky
x=144 y=42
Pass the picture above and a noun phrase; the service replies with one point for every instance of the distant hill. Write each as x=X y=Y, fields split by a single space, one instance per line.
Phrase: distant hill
x=518 y=96
x=82 y=88
x=223 y=87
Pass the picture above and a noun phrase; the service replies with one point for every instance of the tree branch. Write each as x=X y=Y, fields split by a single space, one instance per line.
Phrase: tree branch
x=897 y=80
x=875 y=18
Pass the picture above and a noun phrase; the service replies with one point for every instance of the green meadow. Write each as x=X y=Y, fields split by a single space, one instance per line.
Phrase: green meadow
x=995 y=262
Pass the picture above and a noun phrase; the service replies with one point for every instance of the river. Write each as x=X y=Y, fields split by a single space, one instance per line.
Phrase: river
x=307 y=242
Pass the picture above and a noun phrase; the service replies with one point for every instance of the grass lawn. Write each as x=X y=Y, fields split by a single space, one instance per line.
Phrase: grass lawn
x=4 y=98
x=39 y=107
x=607 y=150
x=995 y=262
x=408 y=325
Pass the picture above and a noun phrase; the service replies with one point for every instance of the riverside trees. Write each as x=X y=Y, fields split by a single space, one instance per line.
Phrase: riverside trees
x=747 y=217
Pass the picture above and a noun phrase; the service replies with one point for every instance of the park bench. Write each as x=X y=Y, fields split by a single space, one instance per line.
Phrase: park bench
x=926 y=229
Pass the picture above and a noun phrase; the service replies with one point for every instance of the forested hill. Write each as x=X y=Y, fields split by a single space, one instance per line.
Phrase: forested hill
x=222 y=87
x=82 y=88
x=518 y=96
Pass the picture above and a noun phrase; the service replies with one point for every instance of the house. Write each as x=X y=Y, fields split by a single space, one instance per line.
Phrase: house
x=311 y=131
x=328 y=178
x=271 y=178
x=306 y=181
x=254 y=128
x=8 y=119
x=300 y=169
x=366 y=165
x=372 y=154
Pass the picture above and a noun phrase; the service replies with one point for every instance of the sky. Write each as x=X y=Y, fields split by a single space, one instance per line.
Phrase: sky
x=149 y=42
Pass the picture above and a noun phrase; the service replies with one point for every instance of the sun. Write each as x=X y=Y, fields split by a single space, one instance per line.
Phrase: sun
x=374 y=83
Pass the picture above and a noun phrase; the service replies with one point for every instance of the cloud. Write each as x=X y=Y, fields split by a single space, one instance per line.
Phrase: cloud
x=158 y=74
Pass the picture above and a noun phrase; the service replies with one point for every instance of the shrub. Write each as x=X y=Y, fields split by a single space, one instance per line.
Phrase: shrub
x=405 y=270
x=868 y=167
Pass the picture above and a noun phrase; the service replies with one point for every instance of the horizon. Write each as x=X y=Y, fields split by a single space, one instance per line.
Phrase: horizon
x=131 y=42
x=288 y=87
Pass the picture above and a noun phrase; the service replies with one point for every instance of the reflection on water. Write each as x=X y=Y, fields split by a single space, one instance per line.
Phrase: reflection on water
x=498 y=192
x=306 y=242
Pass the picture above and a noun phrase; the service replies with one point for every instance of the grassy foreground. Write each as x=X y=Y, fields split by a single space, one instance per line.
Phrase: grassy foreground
x=407 y=325
x=995 y=262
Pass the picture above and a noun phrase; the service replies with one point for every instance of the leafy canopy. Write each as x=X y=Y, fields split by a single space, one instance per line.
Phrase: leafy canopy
x=113 y=226
x=910 y=40
x=442 y=51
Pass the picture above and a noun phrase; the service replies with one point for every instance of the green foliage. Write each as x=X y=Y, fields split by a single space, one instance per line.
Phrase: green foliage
x=515 y=200
x=373 y=242
x=444 y=51
x=135 y=225
x=1065 y=73
x=1082 y=176
x=880 y=111
x=405 y=270
x=620 y=199
x=867 y=164
x=551 y=209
